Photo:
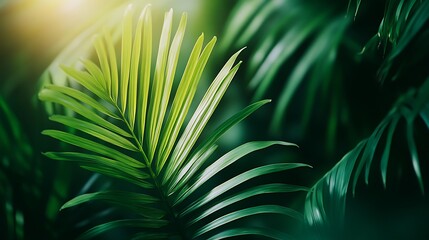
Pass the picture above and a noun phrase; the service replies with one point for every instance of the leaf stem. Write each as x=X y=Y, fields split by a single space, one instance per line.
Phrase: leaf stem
x=158 y=186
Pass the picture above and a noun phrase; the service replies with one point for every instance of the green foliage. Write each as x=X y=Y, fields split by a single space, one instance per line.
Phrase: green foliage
x=325 y=203
x=397 y=13
x=298 y=52
x=402 y=26
x=29 y=197
x=288 y=26
x=401 y=33
x=129 y=126
x=15 y=151
x=136 y=118
x=299 y=48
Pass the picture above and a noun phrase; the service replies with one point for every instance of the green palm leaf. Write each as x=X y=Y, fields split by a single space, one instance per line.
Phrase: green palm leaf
x=397 y=14
x=296 y=46
x=247 y=212
x=400 y=33
x=129 y=129
x=266 y=232
x=130 y=223
x=326 y=201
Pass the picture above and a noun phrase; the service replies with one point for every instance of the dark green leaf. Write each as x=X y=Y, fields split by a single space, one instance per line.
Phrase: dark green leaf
x=245 y=194
x=236 y=181
x=136 y=202
x=96 y=131
x=149 y=235
x=134 y=223
x=243 y=231
x=93 y=146
x=224 y=162
x=264 y=209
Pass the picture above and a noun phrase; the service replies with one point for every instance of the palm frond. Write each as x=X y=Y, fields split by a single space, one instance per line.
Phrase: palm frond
x=326 y=201
x=80 y=47
x=353 y=7
x=295 y=49
x=397 y=15
x=244 y=232
x=130 y=127
x=401 y=31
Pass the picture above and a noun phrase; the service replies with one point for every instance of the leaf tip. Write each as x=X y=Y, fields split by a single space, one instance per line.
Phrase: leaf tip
x=170 y=12
x=214 y=39
x=145 y=11
x=45 y=132
x=64 y=206
x=288 y=144
x=129 y=7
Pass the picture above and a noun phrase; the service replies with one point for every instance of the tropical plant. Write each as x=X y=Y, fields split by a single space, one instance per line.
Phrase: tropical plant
x=401 y=135
x=138 y=121
x=403 y=34
x=332 y=189
x=130 y=127
x=309 y=53
x=296 y=55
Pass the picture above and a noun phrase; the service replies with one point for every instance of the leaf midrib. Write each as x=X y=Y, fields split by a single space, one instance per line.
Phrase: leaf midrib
x=158 y=186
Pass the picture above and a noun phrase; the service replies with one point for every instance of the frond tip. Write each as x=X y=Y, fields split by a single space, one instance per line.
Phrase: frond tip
x=326 y=201
x=126 y=127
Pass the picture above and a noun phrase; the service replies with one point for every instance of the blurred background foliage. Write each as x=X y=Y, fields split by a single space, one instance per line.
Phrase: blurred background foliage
x=348 y=81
